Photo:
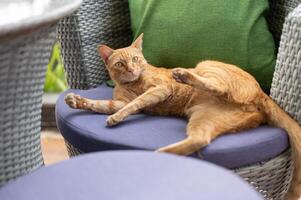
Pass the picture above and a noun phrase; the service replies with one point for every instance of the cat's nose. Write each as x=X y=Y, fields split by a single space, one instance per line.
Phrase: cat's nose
x=130 y=69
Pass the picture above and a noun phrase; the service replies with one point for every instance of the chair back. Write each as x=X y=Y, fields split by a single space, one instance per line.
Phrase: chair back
x=279 y=9
x=96 y=22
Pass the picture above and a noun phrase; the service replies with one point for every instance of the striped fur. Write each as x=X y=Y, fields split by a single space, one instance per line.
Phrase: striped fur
x=217 y=98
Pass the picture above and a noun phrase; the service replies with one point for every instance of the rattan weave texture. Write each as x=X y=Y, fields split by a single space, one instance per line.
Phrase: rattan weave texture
x=279 y=9
x=108 y=22
x=96 y=22
x=286 y=87
x=23 y=63
x=271 y=178
x=73 y=151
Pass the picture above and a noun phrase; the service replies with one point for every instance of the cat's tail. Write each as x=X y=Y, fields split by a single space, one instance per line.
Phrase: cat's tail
x=277 y=117
x=184 y=147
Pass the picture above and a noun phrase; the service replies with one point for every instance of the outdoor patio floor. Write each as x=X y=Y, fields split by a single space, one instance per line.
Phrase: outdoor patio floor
x=53 y=146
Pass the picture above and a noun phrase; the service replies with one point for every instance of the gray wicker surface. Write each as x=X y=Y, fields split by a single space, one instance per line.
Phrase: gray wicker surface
x=107 y=22
x=286 y=86
x=73 y=151
x=23 y=63
x=279 y=9
x=271 y=178
x=96 y=22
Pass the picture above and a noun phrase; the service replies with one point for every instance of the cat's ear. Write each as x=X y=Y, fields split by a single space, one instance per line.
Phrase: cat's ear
x=105 y=52
x=138 y=42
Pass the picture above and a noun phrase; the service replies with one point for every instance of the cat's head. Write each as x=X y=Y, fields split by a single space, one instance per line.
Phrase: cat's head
x=124 y=65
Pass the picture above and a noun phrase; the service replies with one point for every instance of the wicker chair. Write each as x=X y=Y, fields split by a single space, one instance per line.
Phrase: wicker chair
x=23 y=67
x=25 y=48
x=107 y=22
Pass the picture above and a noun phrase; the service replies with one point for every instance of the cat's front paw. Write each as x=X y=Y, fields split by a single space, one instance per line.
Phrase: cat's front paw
x=75 y=101
x=180 y=75
x=114 y=119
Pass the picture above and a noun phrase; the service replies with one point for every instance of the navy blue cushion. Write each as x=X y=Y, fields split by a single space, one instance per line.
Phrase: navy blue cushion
x=88 y=132
x=129 y=175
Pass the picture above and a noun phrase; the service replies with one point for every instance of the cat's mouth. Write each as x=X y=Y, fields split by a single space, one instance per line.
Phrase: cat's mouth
x=133 y=76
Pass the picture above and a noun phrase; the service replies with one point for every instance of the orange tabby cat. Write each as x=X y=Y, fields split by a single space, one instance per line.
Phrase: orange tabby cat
x=217 y=98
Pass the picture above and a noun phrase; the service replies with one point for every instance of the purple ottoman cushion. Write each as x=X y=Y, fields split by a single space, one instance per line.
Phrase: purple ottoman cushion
x=87 y=131
x=129 y=175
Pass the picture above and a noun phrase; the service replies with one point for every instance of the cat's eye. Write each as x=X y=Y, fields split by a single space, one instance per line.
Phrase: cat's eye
x=118 y=64
x=135 y=59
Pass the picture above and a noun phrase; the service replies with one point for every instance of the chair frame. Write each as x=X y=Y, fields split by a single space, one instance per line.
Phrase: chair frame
x=108 y=22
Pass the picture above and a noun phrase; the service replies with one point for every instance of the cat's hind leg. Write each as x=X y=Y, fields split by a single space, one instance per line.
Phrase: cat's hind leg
x=188 y=76
x=101 y=106
x=202 y=128
x=200 y=132
x=221 y=79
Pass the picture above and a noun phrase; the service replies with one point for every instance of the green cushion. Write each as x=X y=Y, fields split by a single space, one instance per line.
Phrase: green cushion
x=184 y=32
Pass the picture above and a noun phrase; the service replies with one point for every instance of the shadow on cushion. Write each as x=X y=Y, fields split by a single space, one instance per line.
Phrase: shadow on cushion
x=88 y=132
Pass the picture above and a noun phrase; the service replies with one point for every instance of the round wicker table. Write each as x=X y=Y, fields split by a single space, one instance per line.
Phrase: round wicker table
x=27 y=33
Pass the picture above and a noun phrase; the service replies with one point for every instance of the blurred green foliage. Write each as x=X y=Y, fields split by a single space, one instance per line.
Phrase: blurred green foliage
x=55 y=80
